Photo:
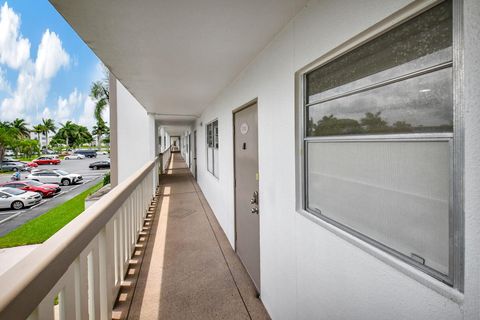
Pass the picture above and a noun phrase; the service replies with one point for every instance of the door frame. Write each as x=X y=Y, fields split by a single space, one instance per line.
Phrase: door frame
x=234 y=111
x=179 y=143
x=189 y=150
x=194 y=159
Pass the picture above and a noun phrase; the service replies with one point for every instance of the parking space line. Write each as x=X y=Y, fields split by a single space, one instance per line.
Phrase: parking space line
x=40 y=203
x=11 y=217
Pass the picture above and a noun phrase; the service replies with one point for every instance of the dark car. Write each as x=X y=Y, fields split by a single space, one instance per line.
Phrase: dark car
x=12 y=166
x=99 y=165
x=46 y=190
x=87 y=153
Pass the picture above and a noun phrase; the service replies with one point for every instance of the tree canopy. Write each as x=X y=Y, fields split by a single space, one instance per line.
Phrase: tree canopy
x=72 y=135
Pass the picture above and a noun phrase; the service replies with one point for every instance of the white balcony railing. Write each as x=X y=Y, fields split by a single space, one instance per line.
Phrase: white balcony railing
x=165 y=158
x=82 y=266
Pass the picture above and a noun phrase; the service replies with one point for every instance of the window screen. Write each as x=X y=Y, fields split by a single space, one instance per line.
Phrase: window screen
x=378 y=138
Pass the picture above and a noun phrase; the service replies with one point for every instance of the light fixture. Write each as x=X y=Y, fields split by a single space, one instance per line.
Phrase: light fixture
x=425 y=90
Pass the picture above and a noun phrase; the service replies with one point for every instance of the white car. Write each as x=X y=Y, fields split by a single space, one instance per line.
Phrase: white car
x=56 y=176
x=100 y=152
x=18 y=199
x=74 y=156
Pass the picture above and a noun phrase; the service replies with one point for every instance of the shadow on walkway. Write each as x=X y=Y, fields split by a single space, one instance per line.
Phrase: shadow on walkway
x=188 y=270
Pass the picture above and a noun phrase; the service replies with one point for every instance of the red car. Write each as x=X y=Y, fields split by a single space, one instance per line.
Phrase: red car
x=46 y=190
x=31 y=164
x=46 y=160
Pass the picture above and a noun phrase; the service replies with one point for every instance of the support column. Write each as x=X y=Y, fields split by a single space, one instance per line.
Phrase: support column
x=113 y=130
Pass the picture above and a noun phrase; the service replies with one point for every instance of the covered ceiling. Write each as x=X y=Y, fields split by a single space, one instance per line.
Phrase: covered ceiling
x=176 y=130
x=175 y=56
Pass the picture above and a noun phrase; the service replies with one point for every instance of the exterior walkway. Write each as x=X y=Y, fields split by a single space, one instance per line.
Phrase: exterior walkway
x=188 y=270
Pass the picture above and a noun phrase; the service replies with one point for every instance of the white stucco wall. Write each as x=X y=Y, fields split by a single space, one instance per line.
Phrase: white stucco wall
x=186 y=150
x=136 y=134
x=165 y=136
x=309 y=272
x=471 y=85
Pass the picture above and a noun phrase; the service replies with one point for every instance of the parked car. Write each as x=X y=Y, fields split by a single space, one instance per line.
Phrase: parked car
x=18 y=199
x=104 y=164
x=45 y=190
x=75 y=156
x=32 y=164
x=46 y=160
x=12 y=166
x=87 y=153
x=53 y=156
x=101 y=152
x=55 y=176
x=47 y=151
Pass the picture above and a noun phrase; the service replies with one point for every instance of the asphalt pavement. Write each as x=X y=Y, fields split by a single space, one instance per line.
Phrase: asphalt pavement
x=11 y=219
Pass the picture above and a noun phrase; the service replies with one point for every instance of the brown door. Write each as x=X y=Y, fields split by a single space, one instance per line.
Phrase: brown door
x=247 y=222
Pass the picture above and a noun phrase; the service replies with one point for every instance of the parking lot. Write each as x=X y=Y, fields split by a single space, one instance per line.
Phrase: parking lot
x=11 y=219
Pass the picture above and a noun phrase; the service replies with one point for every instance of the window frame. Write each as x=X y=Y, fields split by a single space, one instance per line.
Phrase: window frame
x=455 y=278
x=215 y=145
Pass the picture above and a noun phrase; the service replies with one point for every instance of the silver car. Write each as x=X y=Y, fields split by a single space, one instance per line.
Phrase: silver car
x=18 y=199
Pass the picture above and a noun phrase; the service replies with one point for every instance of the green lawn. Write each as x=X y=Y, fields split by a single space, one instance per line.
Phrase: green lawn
x=40 y=229
x=27 y=159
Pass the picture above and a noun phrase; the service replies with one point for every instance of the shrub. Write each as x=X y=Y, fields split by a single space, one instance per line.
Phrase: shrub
x=106 y=179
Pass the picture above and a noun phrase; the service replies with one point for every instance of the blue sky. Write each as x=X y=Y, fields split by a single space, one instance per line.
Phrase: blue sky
x=46 y=70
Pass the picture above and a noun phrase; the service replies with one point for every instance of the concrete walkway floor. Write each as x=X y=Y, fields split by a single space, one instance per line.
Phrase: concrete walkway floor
x=188 y=269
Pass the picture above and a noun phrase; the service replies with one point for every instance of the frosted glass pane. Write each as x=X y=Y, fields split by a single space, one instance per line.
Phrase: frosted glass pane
x=419 y=37
x=215 y=162
x=396 y=193
x=417 y=105
x=210 y=159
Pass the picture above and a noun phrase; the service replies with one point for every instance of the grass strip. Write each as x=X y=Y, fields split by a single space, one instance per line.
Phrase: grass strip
x=40 y=229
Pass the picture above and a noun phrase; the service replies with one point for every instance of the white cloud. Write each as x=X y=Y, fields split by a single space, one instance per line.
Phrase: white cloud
x=66 y=106
x=29 y=94
x=51 y=56
x=33 y=82
x=87 y=118
x=14 y=49
x=4 y=84
x=106 y=114
x=47 y=114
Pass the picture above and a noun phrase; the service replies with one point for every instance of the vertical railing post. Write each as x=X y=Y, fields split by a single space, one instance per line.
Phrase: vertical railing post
x=86 y=290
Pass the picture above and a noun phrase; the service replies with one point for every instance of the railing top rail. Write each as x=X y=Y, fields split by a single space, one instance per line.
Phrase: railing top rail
x=164 y=151
x=25 y=285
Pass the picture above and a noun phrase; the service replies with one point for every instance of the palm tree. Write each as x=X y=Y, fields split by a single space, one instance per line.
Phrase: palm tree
x=49 y=126
x=21 y=126
x=38 y=129
x=99 y=130
x=100 y=93
x=8 y=137
x=83 y=135
x=68 y=129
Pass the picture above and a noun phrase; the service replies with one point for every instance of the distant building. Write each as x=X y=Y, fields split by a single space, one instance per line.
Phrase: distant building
x=43 y=138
